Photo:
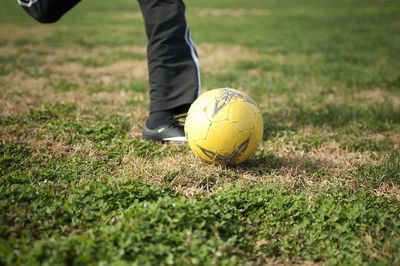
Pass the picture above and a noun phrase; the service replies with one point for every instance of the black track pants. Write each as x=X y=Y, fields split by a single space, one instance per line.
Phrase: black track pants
x=174 y=73
x=172 y=58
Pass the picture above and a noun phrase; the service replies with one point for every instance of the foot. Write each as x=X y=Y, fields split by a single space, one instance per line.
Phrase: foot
x=169 y=132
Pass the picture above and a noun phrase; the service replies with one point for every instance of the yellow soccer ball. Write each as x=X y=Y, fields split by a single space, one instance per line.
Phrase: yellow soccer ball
x=224 y=126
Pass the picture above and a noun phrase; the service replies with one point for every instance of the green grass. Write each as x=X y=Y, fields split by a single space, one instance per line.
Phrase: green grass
x=78 y=186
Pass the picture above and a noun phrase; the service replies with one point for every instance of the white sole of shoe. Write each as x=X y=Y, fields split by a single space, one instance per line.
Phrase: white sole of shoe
x=177 y=139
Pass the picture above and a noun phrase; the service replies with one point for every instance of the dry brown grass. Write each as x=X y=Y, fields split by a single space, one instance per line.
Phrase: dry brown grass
x=395 y=139
x=43 y=143
x=388 y=190
x=139 y=113
x=368 y=97
x=8 y=50
x=35 y=138
x=378 y=97
x=185 y=180
x=214 y=58
x=230 y=12
x=22 y=90
x=218 y=58
x=117 y=17
x=12 y=33
x=21 y=93
x=278 y=162
x=315 y=97
x=122 y=70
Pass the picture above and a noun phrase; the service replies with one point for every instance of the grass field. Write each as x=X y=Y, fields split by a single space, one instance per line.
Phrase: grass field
x=78 y=186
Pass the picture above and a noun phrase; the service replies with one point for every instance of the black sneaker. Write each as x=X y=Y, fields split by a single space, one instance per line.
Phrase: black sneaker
x=169 y=132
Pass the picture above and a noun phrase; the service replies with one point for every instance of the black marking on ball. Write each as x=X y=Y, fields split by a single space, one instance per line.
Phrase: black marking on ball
x=227 y=159
x=226 y=97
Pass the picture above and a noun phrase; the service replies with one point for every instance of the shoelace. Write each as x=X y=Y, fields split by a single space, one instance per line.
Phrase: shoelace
x=181 y=119
x=175 y=125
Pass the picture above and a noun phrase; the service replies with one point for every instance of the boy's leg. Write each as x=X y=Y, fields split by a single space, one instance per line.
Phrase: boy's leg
x=172 y=58
x=47 y=11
